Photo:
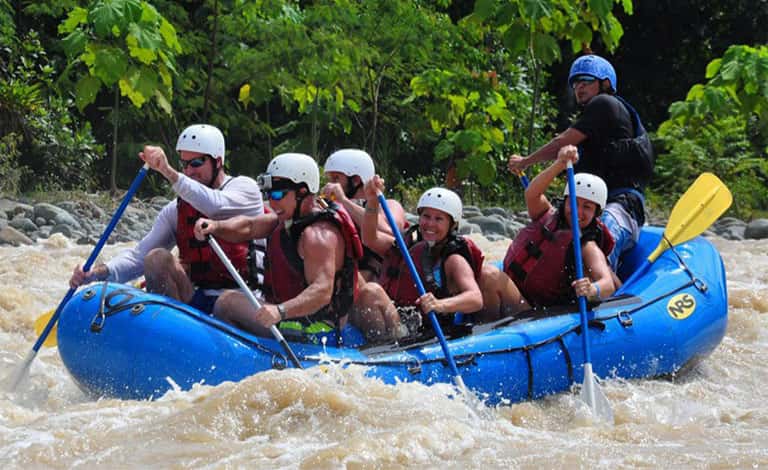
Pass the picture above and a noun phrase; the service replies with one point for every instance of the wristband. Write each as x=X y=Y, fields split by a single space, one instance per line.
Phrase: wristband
x=281 y=310
x=371 y=210
x=597 y=287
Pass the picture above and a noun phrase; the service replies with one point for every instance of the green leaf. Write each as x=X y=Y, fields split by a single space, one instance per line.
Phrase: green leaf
x=516 y=39
x=545 y=48
x=75 y=18
x=109 y=64
x=74 y=43
x=712 y=68
x=106 y=14
x=444 y=149
x=467 y=140
x=145 y=37
x=485 y=9
x=601 y=7
x=163 y=102
x=86 y=90
x=168 y=33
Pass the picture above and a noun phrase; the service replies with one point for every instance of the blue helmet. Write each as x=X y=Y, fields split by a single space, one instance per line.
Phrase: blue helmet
x=594 y=66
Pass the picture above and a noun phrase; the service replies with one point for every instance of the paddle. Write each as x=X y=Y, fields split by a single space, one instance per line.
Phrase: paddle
x=420 y=286
x=249 y=294
x=21 y=371
x=701 y=204
x=591 y=393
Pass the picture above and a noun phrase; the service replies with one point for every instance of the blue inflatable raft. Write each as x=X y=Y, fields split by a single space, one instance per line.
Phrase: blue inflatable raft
x=118 y=341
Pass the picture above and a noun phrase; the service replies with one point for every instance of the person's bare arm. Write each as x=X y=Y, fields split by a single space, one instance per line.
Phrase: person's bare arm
x=237 y=229
x=548 y=151
x=321 y=246
x=461 y=279
x=598 y=270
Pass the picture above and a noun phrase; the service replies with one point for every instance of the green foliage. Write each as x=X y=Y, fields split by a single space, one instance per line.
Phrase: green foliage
x=721 y=127
x=44 y=144
x=536 y=26
x=123 y=42
x=12 y=172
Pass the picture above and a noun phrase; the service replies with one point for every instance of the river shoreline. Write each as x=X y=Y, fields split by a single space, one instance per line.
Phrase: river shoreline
x=82 y=218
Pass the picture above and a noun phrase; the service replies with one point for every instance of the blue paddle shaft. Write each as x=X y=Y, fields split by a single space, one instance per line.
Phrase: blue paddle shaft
x=94 y=254
x=419 y=284
x=578 y=260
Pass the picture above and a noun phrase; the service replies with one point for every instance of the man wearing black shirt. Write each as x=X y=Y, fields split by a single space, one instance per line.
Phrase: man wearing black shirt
x=612 y=144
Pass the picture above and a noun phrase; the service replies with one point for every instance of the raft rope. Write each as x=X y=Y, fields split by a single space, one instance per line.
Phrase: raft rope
x=624 y=317
x=107 y=309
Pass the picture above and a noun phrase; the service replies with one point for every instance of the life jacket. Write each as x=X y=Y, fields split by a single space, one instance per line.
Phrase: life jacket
x=205 y=268
x=624 y=162
x=396 y=277
x=284 y=268
x=540 y=258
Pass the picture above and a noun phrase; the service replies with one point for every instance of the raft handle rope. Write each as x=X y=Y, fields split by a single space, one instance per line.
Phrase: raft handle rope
x=698 y=283
x=125 y=304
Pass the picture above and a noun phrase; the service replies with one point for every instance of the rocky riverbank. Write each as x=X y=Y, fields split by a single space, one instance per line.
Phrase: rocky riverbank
x=85 y=219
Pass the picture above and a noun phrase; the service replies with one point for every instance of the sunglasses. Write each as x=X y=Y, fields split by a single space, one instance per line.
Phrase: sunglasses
x=194 y=163
x=583 y=79
x=276 y=194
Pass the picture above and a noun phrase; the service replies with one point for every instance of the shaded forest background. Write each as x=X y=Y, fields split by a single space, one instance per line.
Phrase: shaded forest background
x=439 y=92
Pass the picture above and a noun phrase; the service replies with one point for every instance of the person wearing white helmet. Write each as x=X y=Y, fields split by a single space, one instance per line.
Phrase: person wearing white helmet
x=311 y=281
x=613 y=145
x=347 y=170
x=449 y=264
x=203 y=189
x=540 y=258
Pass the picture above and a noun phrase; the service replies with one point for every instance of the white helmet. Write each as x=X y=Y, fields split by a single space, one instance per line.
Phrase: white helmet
x=202 y=138
x=297 y=167
x=444 y=200
x=591 y=188
x=351 y=162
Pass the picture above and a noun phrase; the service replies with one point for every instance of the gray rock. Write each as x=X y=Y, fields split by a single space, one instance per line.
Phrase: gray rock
x=757 y=229
x=11 y=208
x=514 y=227
x=490 y=224
x=55 y=215
x=39 y=221
x=63 y=229
x=500 y=211
x=494 y=237
x=733 y=232
x=3 y=223
x=22 y=223
x=465 y=228
x=11 y=236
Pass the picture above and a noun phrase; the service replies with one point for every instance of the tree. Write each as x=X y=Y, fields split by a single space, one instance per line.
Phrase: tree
x=127 y=46
x=722 y=126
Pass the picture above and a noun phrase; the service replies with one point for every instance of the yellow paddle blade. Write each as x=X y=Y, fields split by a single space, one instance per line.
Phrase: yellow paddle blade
x=704 y=201
x=40 y=324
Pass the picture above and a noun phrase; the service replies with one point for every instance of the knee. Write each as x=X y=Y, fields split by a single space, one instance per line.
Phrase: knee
x=225 y=304
x=158 y=257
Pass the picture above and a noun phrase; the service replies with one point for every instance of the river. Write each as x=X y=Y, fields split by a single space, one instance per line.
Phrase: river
x=714 y=416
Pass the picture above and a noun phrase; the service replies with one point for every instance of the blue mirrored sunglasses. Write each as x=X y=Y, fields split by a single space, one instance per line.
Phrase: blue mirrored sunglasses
x=194 y=163
x=582 y=79
x=276 y=194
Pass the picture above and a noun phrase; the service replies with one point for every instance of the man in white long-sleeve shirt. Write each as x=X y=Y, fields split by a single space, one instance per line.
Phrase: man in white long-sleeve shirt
x=204 y=190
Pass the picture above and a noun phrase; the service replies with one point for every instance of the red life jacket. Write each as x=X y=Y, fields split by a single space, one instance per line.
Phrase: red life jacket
x=396 y=277
x=540 y=258
x=205 y=268
x=284 y=268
